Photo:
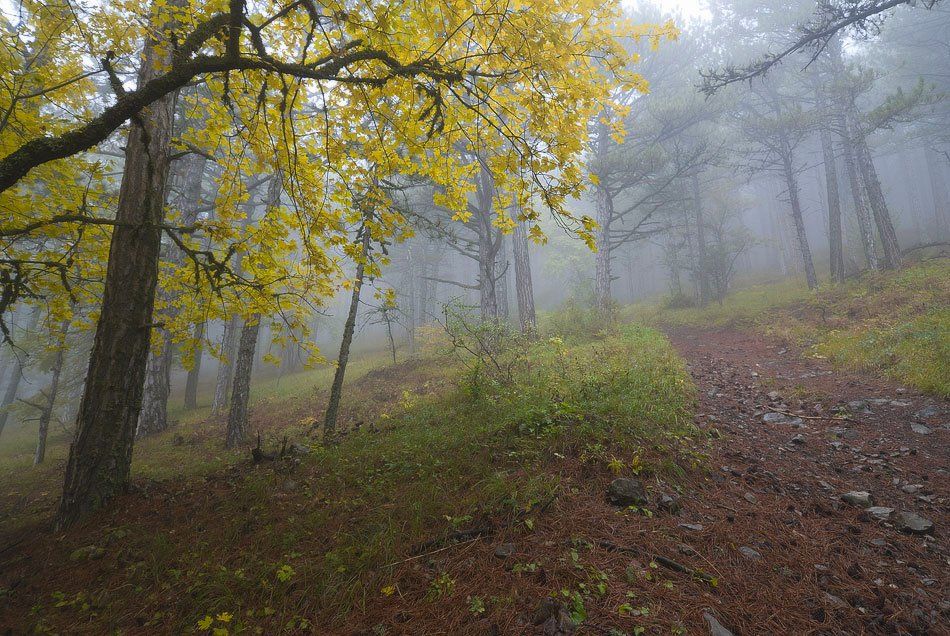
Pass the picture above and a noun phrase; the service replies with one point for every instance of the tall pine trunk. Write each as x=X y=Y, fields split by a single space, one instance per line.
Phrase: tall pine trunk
x=46 y=415
x=882 y=216
x=835 y=241
x=241 y=390
x=602 y=214
x=101 y=453
x=153 y=417
x=524 y=287
x=857 y=195
x=194 y=373
x=222 y=383
x=13 y=387
x=336 y=390
x=799 y=222
x=703 y=261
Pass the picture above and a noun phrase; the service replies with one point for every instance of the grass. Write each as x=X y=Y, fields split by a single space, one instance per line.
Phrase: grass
x=895 y=324
x=276 y=548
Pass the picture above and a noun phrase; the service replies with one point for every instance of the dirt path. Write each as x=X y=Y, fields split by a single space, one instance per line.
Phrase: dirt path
x=778 y=482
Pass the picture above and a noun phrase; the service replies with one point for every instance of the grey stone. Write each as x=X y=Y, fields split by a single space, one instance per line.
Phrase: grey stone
x=835 y=601
x=774 y=418
x=911 y=489
x=912 y=523
x=774 y=395
x=749 y=553
x=669 y=504
x=504 y=550
x=750 y=498
x=87 y=552
x=859 y=498
x=859 y=406
x=554 y=619
x=931 y=410
x=695 y=527
x=900 y=403
x=881 y=512
x=799 y=440
x=921 y=429
x=626 y=491
x=715 y=627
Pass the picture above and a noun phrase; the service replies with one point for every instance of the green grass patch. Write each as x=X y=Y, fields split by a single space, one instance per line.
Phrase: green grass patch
x=895 y=324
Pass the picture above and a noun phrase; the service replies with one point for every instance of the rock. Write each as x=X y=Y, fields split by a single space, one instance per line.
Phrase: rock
x=87 y=552
x=858 y=498
x=835 y=601
x=504 y=550
x=695 y=527
x=750 y=498
x=774 y=418
x=299 y=449
x=929 y=411
x=626 y=491
x=799 y=440
x=858 y=406
x=881 y=512
x=774 y=395
x=900 y=403
x=912 y=523
x=749 y=553
x=669 y=504
x=715 y=627
x=554 y=619
x=911 y=489
x=686 y=550
x=921 y=429
x=289 y=485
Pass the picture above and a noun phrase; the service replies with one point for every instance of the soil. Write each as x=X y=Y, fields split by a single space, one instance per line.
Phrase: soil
x=761 y=539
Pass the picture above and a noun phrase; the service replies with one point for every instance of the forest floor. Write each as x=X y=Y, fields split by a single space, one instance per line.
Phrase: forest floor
x=461 y=512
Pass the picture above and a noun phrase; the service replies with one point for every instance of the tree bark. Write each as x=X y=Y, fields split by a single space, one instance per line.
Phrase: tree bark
x=602 y=214
x=524 y=286
x=46 y=415
x=241 y=391
x=700 y=242
x=835 y=242
x=857 y=194
x=101 y=453
x=799 y=221
x=13 y=387
x=194 y=373
x=938 y=191
x=882 y=216
x=336 y=390
x=222 y=384
x=153 y=417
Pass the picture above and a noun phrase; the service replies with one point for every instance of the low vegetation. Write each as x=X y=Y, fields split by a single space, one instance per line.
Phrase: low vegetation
x=310 y=535
x=892 y=323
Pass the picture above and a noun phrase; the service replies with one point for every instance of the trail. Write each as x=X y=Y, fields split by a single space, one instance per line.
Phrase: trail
x=778 y=480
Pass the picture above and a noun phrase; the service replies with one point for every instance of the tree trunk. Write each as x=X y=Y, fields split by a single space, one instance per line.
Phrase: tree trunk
x=222 y=383
x=803 y=248
x=101 y=453
x=857 y=194
x=602 y=214
x=701 y=273
x=194 y=373
x=938 y=191
x=13 y=387
x=412 y=301
x=882 y=216
x=336 y=390
x=241 y=391
x=46 y=415
x=153 y=417
x=835 y=243
x=523 y=283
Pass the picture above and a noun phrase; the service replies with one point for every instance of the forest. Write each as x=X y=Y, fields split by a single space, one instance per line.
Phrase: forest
x=548 y=317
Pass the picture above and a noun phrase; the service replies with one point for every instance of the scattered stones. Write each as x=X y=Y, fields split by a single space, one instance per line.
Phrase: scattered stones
x=912 y=523
x=911 y=489
x=798 y=440
x=299 y=449
x=669 y=504
x=774 y=418
x=881 y=512
x=835 y=601
x=859 y=406
x=686 y=550
x=504 y=550
x=752 y=499
x=87 y=552
x=289 y=485
x=695 y=527
x=921 y=429
x=774 y=395
x=554 y=619
x=859 y=498
x=626 y=491
x=900 y=403
x=929 y=411
x=715 y=627
x=749 y=553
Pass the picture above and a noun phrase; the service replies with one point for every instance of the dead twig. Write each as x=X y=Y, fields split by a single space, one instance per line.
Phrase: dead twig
x=837 y=418
x=669 y=564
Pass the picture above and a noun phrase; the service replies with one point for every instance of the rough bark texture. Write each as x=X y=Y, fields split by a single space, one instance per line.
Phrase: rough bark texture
x=46 y=415
x=882 y=216
x=799 y=222
x=857 y=194
x=10 y=394
x=241 y=392
x=101 y=453
x=154 y=415
x=523 y=284
x=336 y=390
x=489 y=242
x=194 y=373
x=602 y=214
x=835 y=243
x=702 y=259
x=938 y=191
x=222 y=383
